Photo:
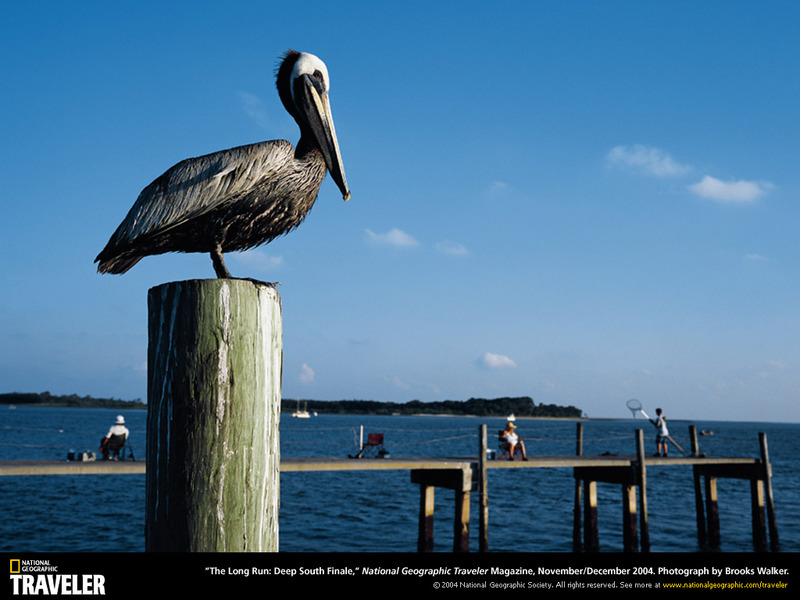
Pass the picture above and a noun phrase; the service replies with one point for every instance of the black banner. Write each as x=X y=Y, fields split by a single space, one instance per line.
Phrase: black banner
x=105 y=574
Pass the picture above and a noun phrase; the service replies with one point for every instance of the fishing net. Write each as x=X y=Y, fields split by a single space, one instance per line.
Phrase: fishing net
x=636 y=407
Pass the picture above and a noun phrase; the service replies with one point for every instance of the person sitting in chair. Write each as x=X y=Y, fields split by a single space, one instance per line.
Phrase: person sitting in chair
x=115 y=440
x=513 y=440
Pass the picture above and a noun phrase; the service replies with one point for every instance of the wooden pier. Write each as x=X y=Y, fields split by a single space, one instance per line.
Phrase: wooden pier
x=467 y=475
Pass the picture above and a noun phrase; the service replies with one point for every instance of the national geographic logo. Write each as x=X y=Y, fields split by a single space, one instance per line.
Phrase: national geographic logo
x=37 y=577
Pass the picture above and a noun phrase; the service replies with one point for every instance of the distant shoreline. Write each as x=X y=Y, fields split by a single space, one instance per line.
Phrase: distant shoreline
x=501 y=408
x=131 y=405
x=71 y=401
x=522 y=407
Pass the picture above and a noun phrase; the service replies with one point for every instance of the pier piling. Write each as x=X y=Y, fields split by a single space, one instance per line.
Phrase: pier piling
x=641 y=479
x=459 y=480
x=483 y=482
x=214 y=377
x=758 y=473
x=770 y=503
x=577 y=521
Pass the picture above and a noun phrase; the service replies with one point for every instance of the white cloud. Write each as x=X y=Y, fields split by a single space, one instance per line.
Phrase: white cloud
x=396 y=382
x=652 y=161
x=733 y=192
x=395 y=237
x=452 y=248
x=306 y=374
x=498 y=188
x=255 y=109
x=659 y=163
x=498 y=361
x=259 y=260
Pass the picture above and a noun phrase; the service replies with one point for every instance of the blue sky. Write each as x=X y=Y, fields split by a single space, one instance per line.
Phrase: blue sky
x=581 y=202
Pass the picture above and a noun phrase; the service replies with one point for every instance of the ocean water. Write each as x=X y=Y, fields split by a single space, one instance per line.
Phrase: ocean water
x=530 y=510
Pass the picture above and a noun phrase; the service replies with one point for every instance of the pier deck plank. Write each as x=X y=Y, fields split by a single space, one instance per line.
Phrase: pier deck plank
x=290 y=465
x=62 y=467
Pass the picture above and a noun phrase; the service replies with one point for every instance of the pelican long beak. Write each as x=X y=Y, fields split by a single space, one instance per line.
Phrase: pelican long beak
x=313 y=104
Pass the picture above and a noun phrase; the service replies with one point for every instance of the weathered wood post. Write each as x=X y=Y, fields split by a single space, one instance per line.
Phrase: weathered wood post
x=461 y=517
x=591 y=541
x=214 y=388
x=630 y=543
x=693 y=440
x=712 y=512
x=700 y=517
x=577 y=522
x=483 y=521
x=459 y=480
x=757 y=510
x=771 y=518
x=641 y=476
x=427 y=495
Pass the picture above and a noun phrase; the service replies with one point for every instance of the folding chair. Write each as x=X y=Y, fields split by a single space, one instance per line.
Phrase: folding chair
x=113 y=448
x=373 y=448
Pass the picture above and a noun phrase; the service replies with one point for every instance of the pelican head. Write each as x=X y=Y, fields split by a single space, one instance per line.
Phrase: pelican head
x=303 y=85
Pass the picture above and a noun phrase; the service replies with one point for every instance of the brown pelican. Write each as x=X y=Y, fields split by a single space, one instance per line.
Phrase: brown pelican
x=239 y=198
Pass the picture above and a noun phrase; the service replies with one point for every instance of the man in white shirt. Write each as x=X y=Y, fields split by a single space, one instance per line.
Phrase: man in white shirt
x=115 y=439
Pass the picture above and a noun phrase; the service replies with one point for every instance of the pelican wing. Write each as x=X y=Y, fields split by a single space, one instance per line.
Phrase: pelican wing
x=196 y=186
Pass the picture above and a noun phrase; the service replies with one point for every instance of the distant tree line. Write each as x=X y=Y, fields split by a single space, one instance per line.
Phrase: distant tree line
x=48 y=399
x=480 y=407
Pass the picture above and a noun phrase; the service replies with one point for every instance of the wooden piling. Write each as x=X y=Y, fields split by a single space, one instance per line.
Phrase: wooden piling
x=641 y=476
x=770 y=503
x=427 y=496
x=700 y=516
x=483 y=518
x=630 y=543
x=758 y=519
x=459 y=480
x=214 y=381
x=577 y=521
x=461 y=521
x=712 y=512
x=693 y=440
x=591 y=540
x=759 y=475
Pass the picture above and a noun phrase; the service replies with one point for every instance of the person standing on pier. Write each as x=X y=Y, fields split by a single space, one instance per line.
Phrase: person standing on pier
x=660 y=423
